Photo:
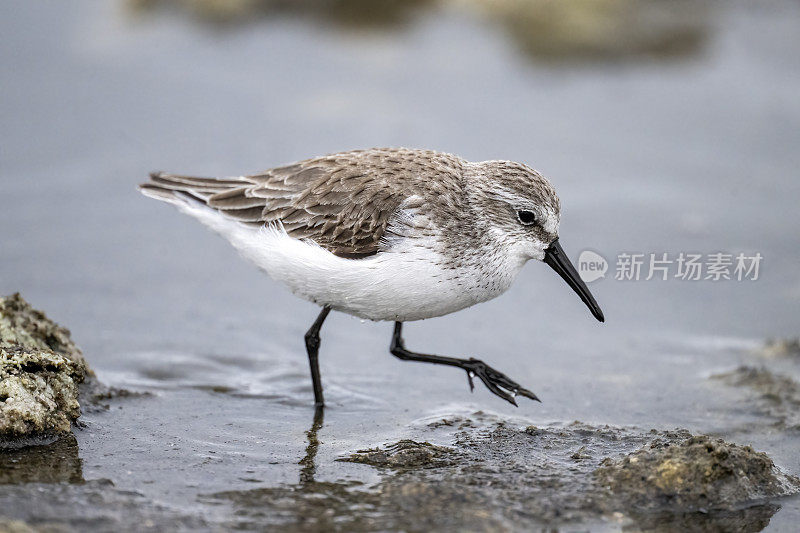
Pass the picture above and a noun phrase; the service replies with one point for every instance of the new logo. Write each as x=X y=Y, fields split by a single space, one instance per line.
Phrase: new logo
x=591 y=266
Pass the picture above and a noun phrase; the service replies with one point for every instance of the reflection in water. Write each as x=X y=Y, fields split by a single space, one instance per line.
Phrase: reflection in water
x=543 y=29
x=309 y=505
x=55 y=463
x=308 y=462
x=747 y=520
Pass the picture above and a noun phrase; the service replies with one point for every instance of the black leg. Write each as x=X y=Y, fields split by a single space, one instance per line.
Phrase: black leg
x=312 y=347
x=495 y=381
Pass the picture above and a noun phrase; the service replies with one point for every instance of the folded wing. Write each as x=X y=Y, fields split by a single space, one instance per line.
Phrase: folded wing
x=342 y=202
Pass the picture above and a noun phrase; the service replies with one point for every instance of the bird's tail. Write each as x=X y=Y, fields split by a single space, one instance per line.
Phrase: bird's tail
x=180 y=190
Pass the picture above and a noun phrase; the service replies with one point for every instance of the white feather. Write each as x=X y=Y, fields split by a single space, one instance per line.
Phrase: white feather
x=406 y=282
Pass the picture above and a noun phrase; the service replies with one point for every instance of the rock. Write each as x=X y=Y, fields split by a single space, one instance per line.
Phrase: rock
x=543 y=29
x=698 y=474
x=597 y=29
x=775 y=396
x=781 y=348
x=495 y=476
x=23 y=325
x=40 y=370
x=38 y=393
x=348 y=13
x=405 y=454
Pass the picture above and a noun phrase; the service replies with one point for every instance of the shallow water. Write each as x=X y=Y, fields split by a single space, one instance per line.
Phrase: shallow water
x=692 y=150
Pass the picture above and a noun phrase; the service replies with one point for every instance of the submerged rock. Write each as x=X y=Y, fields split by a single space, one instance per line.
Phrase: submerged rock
x=776 y=396
x=40 y=370
x=405 y=454
x=696 y=474
x=494 y=476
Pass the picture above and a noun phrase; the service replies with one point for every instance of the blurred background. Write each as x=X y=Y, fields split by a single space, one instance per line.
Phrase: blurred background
x=665 y=125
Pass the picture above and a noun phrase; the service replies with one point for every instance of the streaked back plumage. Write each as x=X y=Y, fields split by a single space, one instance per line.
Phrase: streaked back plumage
x=343 y=202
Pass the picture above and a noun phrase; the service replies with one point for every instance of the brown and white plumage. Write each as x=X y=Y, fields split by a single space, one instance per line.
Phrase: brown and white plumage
x=387 y=234
x=343 y=202
x=384 y=234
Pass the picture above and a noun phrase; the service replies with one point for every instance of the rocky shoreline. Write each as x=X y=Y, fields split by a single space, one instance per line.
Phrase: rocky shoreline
x=484 y=473
x=41 y=370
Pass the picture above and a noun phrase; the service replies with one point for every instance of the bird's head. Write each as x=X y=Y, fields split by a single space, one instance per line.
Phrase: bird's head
x=520 y=210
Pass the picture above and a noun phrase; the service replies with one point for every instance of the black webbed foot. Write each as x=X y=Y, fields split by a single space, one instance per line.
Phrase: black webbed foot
x=496 y=381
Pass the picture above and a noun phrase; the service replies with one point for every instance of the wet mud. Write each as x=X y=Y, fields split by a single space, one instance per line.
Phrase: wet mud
x=406 y=455
x=497 y=476
x=97 y=396
x=96 y=505
x=770 y=394
x=43 y=488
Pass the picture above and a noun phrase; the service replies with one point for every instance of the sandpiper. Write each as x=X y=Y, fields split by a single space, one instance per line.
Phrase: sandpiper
x=387 y=234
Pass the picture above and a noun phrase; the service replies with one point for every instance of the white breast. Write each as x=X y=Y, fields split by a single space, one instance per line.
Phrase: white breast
x=410 y=281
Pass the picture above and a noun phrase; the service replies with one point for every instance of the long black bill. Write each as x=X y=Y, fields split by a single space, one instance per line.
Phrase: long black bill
x=555 y=257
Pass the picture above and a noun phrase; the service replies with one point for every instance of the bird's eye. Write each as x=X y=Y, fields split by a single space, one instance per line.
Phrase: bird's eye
x=527 y=218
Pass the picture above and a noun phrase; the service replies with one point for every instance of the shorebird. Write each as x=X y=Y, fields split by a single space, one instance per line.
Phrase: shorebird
x=387 y=234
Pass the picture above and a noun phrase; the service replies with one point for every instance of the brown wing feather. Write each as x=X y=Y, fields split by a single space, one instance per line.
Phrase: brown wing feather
x=341 y=206
x=343 y=202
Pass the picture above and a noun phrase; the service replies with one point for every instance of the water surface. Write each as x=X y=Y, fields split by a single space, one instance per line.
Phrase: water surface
x=689 y=146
